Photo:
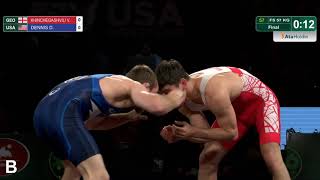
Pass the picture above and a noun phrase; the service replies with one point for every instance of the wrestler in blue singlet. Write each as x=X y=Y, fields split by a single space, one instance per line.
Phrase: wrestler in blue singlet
x=60 y=115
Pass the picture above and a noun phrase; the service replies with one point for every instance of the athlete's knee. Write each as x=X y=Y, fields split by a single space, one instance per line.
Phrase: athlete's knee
x=272 y=156
x=207 y=157
x=70 y=171
x=103 y=175
x=93 y=168
x=98 y=174
x=211 y=156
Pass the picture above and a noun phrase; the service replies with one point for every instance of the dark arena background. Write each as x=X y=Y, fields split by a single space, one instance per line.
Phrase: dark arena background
x=118 y=34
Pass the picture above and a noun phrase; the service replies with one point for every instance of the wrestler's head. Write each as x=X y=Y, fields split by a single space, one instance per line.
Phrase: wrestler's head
x=171 y=75
x=145 y=76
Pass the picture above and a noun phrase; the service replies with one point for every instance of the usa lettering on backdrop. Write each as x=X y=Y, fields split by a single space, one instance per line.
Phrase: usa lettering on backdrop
x=143 y=13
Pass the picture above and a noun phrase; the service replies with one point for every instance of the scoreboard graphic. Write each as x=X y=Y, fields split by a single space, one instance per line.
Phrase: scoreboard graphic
x=43 y=24
x=289 y=28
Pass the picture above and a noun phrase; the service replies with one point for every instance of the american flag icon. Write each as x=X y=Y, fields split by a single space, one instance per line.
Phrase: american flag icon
x=22 y=20
x=23 y=27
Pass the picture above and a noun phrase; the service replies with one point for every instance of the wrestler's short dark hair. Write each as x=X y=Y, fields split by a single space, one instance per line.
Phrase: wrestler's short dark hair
x=170 y=73
x=143 y=74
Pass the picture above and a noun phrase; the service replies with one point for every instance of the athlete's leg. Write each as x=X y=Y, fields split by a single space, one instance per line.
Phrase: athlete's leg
x=93 y=168
x=81 y=148
x=272 y=156
x=269 y=126
x=70 y=171
x=214 y=152
x=210 y=157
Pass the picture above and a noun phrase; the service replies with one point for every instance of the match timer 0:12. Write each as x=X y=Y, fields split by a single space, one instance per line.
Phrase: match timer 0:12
x=289 y=28
x=304 y=24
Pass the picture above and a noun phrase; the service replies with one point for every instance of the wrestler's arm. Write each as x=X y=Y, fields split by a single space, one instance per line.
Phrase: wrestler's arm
x=196 y=118
x=104 y=122
x=220 y=105
x=155 y=103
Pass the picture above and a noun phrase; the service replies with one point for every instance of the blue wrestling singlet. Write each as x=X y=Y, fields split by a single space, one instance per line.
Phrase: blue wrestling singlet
x=60 y=115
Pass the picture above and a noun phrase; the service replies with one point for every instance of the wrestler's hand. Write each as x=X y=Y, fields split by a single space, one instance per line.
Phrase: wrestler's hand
x=168 y=134
x=136 y=115
x=183 y=129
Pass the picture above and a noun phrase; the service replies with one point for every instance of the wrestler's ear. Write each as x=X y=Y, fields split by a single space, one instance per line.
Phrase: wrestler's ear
x=183 y=83
x=147 y=85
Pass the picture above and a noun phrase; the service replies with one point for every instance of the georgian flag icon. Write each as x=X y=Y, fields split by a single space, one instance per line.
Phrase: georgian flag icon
x=22 y=20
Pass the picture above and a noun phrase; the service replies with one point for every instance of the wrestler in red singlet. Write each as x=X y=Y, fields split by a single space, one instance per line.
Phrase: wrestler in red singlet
x=238 y=100
x=256 y=106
